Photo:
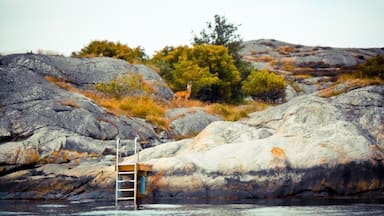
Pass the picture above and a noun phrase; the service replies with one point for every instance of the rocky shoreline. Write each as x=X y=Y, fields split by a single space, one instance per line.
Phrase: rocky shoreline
x=57 y=144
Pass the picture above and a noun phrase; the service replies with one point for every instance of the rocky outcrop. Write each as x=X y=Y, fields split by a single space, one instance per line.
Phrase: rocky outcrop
x=33 y=108
x=56 y=144
x=83 y=72
x=275 y=55
x=308 y=68
x=42 y=124
x=186 y=122
x=310 y=146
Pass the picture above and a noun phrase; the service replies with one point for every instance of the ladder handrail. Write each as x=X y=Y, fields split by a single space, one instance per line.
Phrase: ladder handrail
x=117 y=170
x=136 y=160
x=135 y=173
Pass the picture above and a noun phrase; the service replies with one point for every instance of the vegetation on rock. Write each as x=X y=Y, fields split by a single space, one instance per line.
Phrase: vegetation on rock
x=373 y=67
x=369 y=73
x=265 y=85
x=129 y=84
x=110 y=49
x=209 y=67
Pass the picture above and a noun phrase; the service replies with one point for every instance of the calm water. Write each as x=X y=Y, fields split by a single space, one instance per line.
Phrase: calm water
x=261 y=207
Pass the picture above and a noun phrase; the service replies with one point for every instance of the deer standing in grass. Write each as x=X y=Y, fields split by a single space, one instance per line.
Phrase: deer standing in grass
x=183 y=94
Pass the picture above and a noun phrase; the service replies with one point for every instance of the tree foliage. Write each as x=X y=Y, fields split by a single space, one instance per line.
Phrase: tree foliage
x=210 y=68
x=221 y=32
x=265 y=85
x=373 y=67
x=111 y=49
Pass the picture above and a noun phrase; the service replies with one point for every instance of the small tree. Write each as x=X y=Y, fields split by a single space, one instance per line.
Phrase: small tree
x=220 y=33
x=223 y=33
x=209 y=67
x=265 y=85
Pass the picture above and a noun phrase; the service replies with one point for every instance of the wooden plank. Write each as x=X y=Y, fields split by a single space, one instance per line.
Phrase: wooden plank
x=131 y=167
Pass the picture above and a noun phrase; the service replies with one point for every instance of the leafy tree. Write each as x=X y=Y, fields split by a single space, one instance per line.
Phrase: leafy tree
x=220 y=63
x=111 y=49
x=373 y=67
x=209 y=67
x=221 y=32
x=166 y=58
x=265 y=85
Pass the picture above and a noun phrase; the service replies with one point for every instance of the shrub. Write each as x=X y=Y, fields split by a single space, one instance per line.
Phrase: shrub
x=127 y=84
x=227 y=112
x=265 y=85
x=373 y=67
x=234 y=113
x=111 y=49
x=210 y=68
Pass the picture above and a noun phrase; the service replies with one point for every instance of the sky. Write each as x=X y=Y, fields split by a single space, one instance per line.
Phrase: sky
x=64 y=26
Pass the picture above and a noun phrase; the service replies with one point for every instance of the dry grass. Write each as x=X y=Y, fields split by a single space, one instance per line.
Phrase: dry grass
x=142 y=107
x=299 y=70
x=351 y=83
x=286 y=50
x=69 y=102
x=288 y=60
x=266 y=58
x=302 y=76
x=152 y=110
x=234 y=113
x=186 y=103
x=60 y=82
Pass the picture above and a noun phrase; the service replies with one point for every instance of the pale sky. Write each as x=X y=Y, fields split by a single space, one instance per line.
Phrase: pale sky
x=68 y=25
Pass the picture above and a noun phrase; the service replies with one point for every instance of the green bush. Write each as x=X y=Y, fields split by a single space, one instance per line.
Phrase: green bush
x=265 y=85
x=373 y=67
x=127 y=84
x=210 y=68
x=110 y=49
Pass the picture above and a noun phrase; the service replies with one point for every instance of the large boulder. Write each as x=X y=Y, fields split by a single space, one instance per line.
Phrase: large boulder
x=310 y=146
x=83 y=72
x=40 y=122
x=187 y=122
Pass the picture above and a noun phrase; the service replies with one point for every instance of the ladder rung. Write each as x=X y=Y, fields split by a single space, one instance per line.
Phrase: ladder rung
x=125 y=198
x=127 y=189
x=125 y=164
x=126 y=173
x=121 y=181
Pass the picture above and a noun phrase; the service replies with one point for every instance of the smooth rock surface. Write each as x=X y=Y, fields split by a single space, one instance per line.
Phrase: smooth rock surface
x=309 y=145
x=189 y=121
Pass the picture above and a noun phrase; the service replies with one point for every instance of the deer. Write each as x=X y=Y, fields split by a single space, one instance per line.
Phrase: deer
x=183 y=94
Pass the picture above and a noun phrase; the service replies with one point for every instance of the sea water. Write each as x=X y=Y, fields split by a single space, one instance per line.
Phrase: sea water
x=259 y=207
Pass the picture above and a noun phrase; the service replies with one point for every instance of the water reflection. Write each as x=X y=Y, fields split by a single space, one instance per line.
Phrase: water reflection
x=259 y=207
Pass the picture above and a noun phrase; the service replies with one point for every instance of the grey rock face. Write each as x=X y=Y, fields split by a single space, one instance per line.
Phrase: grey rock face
x=309 y=145
x=189 y=121
x=47 y=134
x=37 y=114
x=307 y=56
x=86 y=71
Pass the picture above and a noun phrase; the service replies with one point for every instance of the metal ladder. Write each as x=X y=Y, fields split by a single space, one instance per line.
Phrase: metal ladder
x=126 y=181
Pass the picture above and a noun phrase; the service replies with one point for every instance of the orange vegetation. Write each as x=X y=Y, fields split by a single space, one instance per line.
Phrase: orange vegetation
x=154 y=110
x=350 y=83
x=286 y=49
